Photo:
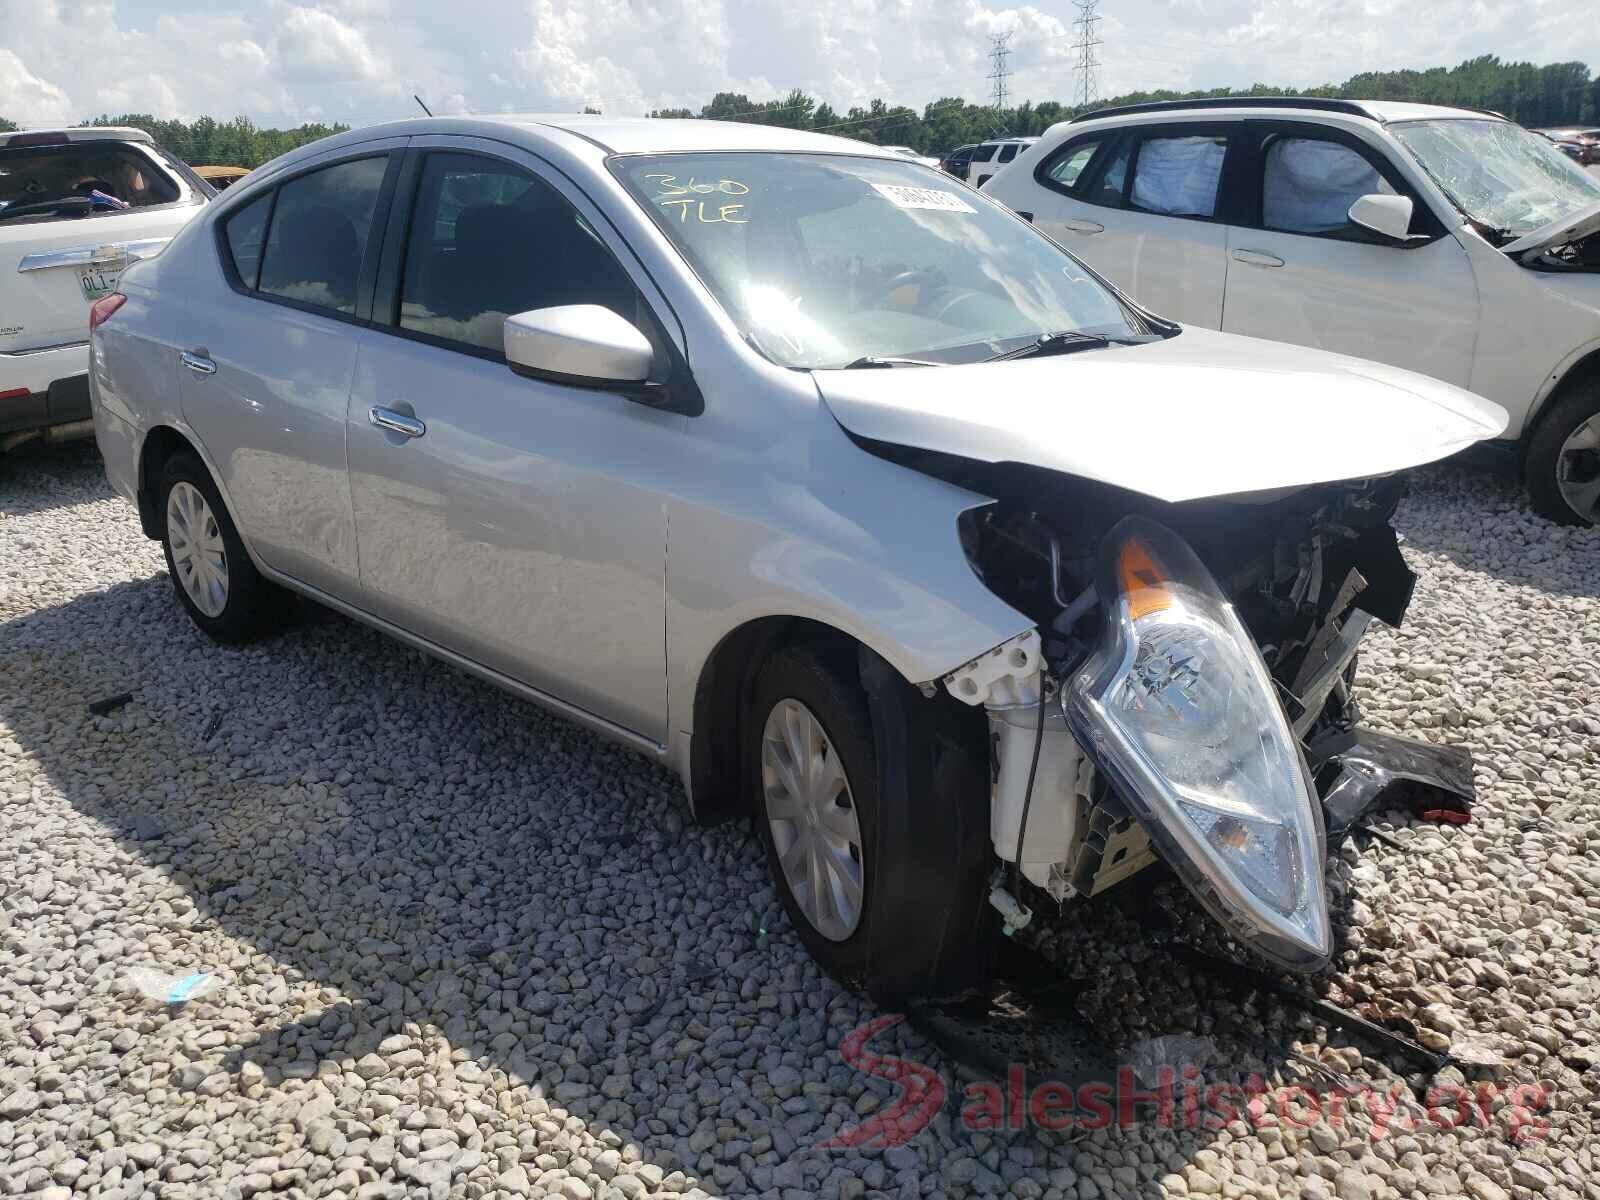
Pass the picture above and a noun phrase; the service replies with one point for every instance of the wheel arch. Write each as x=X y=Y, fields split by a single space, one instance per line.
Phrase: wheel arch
x=723 y=697
x=1582 y=365
x=160 y=443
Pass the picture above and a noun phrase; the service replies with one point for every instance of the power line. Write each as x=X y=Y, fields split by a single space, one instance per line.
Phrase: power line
x=1088 y=61
x=999 y=51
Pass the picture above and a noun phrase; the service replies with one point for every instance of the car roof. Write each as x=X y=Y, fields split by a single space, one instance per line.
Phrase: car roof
x=94 y=133
x=1381 y=111
x=625 y=135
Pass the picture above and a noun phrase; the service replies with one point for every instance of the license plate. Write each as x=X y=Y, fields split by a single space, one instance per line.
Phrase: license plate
x=99 y=280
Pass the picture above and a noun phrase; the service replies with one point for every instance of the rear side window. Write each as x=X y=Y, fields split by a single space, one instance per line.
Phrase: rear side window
x=318 y=234
x=1309 y=184
x=1179 y=176
x=247 y=230
x=983 y=153
x=1008 y=152
x=489 y=240
x=112 y=176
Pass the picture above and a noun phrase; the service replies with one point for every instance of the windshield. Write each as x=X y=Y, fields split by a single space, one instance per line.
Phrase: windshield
x=1509 y=180
x=824 y=260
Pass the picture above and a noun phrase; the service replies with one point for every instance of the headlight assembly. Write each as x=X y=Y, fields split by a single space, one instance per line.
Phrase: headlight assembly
x=1177 y=707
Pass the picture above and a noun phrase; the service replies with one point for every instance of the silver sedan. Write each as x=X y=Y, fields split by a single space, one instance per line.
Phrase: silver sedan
x=795 y=464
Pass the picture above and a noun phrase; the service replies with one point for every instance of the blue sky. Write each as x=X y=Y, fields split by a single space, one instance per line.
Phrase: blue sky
x=359 y=60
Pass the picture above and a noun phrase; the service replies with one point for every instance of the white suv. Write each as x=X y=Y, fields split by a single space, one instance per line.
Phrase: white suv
x=76 y=205
x=1448 y=241
x=989 y=157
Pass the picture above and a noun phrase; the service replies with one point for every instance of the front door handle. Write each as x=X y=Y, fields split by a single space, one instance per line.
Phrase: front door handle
x=396 y=422
x=1084 y=226
x=197 y=361
x=1257 y=258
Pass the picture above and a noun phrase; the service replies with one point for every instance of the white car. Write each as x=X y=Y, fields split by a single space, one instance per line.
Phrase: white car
x=76 y=205
x=814 y=475
x=1448 y=241
x=988 y=158
x=924 y=159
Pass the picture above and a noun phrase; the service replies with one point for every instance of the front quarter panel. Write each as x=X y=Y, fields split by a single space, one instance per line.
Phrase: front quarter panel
x=784 y=515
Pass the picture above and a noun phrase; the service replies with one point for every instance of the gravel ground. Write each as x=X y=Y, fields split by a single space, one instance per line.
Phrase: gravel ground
x=464 y=948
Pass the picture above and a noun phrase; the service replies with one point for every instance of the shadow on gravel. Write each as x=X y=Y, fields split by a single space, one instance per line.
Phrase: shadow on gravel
x=355 y=816
x=1494 y=531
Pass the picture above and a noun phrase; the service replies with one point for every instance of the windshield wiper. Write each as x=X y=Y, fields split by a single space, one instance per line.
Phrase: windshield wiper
x=1065 y=341
x=874 y=360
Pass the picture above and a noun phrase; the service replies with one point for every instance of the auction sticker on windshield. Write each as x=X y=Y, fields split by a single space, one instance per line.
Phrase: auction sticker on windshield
x=916 y=197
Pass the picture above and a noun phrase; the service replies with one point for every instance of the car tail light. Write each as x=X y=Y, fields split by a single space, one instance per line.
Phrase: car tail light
x=13 y=393
x=103 y=308
x=37 y=139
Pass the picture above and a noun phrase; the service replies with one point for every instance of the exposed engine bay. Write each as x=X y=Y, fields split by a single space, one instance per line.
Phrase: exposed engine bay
x=1580 y=255
x=1186 y=694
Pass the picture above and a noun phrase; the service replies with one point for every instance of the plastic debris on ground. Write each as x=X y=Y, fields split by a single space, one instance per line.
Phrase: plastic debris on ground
x=1173 y=1051
x=172 y=989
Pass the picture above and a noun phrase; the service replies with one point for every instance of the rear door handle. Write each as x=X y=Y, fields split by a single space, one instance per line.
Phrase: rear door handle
x=396 y=422
x=1257 y=258
x=1084 y=226
x=197 y=361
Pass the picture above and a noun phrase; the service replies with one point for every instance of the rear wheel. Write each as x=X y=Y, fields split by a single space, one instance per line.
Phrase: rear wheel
x=216 y=582
x=1563 y=464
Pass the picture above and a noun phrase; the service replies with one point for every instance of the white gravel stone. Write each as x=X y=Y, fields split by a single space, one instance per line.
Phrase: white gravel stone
x=465 y=947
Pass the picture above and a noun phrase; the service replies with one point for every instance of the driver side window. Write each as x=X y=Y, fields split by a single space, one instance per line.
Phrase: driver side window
x=1309 y=184
x=488 y=240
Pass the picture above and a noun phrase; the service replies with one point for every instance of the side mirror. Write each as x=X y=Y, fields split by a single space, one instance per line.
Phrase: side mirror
x=580 y=344
x=1387 y=216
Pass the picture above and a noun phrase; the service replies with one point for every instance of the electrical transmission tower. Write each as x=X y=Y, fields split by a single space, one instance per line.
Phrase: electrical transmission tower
x=1087 y=21
x=999 y=51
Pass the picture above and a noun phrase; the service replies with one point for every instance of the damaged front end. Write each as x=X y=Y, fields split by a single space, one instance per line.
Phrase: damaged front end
x=1186 y=695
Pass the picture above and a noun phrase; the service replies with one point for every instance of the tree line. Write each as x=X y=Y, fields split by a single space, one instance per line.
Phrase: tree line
x=1554 y=94
x=206 y=140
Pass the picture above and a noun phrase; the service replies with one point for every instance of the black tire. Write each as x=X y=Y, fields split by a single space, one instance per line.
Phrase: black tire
x=918 y=784
x=253 y=607
x=1542 y=469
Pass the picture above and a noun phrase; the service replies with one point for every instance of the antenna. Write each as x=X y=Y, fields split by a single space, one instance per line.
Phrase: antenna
x=1088 y=63
x=999 y=51
x=421 y=105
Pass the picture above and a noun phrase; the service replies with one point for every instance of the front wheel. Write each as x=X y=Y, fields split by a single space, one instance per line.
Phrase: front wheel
x=872 y=803
x=216 y=582
x=1563 y=464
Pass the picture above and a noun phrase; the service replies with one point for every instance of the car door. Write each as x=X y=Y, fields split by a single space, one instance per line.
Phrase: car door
x=270 y=350
x=499 y=516
x=1147 y=208
x=1301 y=272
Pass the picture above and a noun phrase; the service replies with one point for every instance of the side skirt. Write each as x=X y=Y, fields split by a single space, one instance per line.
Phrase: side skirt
x=605 y=728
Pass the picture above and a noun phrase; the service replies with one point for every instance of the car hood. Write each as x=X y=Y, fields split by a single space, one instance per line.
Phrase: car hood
x=1198 y=415
x=1571 y=228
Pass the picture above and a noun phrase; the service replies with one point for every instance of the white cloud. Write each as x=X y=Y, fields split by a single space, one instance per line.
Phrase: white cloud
x=317 y=47
x=25 y=92
x=282 y=62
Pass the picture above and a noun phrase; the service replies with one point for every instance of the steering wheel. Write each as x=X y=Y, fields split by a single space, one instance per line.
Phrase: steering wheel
x=880 y=297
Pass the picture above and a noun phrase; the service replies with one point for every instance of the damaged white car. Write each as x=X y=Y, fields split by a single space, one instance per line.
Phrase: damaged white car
x=833 y=485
